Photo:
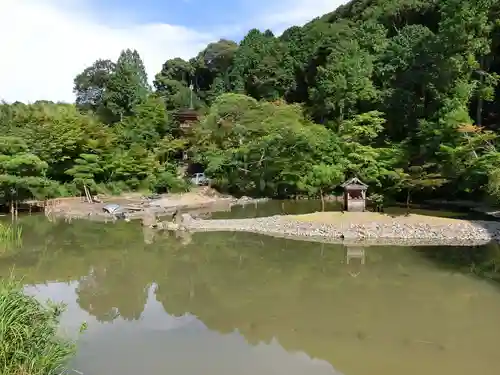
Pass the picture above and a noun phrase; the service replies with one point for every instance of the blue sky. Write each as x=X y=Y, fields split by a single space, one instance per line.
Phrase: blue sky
x=197 y=14
x=48 y=42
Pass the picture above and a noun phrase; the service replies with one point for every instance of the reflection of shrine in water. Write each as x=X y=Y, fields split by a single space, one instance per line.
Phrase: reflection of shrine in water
x=355 y=258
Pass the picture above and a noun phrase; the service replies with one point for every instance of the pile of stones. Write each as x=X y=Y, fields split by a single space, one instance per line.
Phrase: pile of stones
x=460 y=231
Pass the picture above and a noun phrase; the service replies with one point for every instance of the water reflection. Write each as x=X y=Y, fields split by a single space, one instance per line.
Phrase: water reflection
x=277 y=207
x=177 y=344
x=483 y=261
x=149 y=234
x=409 y=310
x=355 y=259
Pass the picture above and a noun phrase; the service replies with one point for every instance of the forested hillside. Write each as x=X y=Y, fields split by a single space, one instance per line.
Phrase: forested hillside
x=401 y=93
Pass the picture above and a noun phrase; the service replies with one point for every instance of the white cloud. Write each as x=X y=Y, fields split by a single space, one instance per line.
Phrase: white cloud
x=283 y=14
x=46 y=43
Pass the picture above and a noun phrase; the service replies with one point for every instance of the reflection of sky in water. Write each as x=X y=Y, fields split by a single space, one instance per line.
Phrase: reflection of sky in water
x=159 y=343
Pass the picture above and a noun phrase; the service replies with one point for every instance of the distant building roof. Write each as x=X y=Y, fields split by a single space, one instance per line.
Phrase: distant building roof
x=186 y=114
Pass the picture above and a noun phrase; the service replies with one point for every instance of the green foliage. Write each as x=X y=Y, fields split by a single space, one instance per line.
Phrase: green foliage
x=86 y=170
x=10 y=235
x=321 y=178
x=367 y=90
x=90 y=86
x=149 y=124
x=261 y=148
x=30 y=343
x=127 y=86
x=22 y=174
x=494 y=183
x=417 y=178
x=168 y=181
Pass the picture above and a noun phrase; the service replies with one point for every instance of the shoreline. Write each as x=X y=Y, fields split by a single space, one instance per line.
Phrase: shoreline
x=137 y=207
x=361 y=228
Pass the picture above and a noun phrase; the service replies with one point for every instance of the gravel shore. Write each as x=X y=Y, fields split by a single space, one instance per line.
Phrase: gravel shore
x=420 y=230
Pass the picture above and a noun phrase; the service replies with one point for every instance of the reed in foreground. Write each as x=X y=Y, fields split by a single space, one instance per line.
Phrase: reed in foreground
x=10 y=235
x=29 y=341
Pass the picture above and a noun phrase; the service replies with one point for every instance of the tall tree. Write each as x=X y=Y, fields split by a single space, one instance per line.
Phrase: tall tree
x=127 y=86
x=262 y=68
x=91 y=84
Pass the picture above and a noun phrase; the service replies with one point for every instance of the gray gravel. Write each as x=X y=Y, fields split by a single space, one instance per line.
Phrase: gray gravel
x=461 y=233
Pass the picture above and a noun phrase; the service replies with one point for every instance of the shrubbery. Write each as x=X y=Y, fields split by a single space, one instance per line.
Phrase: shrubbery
x=29 y=339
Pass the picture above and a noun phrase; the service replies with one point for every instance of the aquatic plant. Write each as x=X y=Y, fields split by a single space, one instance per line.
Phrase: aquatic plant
x=10 y=234
x=29 y=342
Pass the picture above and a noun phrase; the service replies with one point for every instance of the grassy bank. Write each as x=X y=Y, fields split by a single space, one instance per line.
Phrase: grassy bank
x=29 y=341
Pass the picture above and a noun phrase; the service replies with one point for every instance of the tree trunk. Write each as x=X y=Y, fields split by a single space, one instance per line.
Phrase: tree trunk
x=322 y=200
x=479 y=106
x=479 y=111
x=408 y=202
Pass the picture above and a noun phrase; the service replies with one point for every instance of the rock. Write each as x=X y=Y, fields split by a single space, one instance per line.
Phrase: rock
x=394 y=231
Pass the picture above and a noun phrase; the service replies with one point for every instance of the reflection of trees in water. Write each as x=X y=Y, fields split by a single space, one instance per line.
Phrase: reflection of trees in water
x=265 y=287
x=482 y=261
x=247 y=282
x=117 y=283
x=106 y=258
x=113 y=290
x=94 y=298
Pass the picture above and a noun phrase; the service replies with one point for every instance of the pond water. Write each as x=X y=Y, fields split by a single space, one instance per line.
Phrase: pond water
x=291 y=207
x=239 y=303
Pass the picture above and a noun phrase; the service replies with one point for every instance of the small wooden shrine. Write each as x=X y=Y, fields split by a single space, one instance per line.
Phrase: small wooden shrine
x=354 y=195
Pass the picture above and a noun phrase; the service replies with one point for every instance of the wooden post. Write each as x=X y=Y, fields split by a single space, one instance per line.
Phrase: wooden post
x=87 y=194
x=322 y=200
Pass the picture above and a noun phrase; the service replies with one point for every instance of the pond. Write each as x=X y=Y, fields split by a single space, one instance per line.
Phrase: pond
x=239 y=303
x=298 y=207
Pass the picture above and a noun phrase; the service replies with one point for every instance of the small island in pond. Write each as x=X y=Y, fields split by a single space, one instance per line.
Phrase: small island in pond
x=367 y=227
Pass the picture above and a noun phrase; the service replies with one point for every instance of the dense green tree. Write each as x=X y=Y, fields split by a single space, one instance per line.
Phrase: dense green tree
x=92 y=83
x=22 y=174
x=261 y=148
x=378 y=89
x=415 y=178
x=149 y=124
x=86 y=170
x=262 y=68
x=128 y=85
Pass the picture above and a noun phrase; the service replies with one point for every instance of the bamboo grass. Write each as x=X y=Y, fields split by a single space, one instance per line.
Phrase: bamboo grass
x=10 y=235
x=29 y=341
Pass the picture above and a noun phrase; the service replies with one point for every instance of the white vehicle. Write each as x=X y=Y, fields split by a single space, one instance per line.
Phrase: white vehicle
x=200 y=179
